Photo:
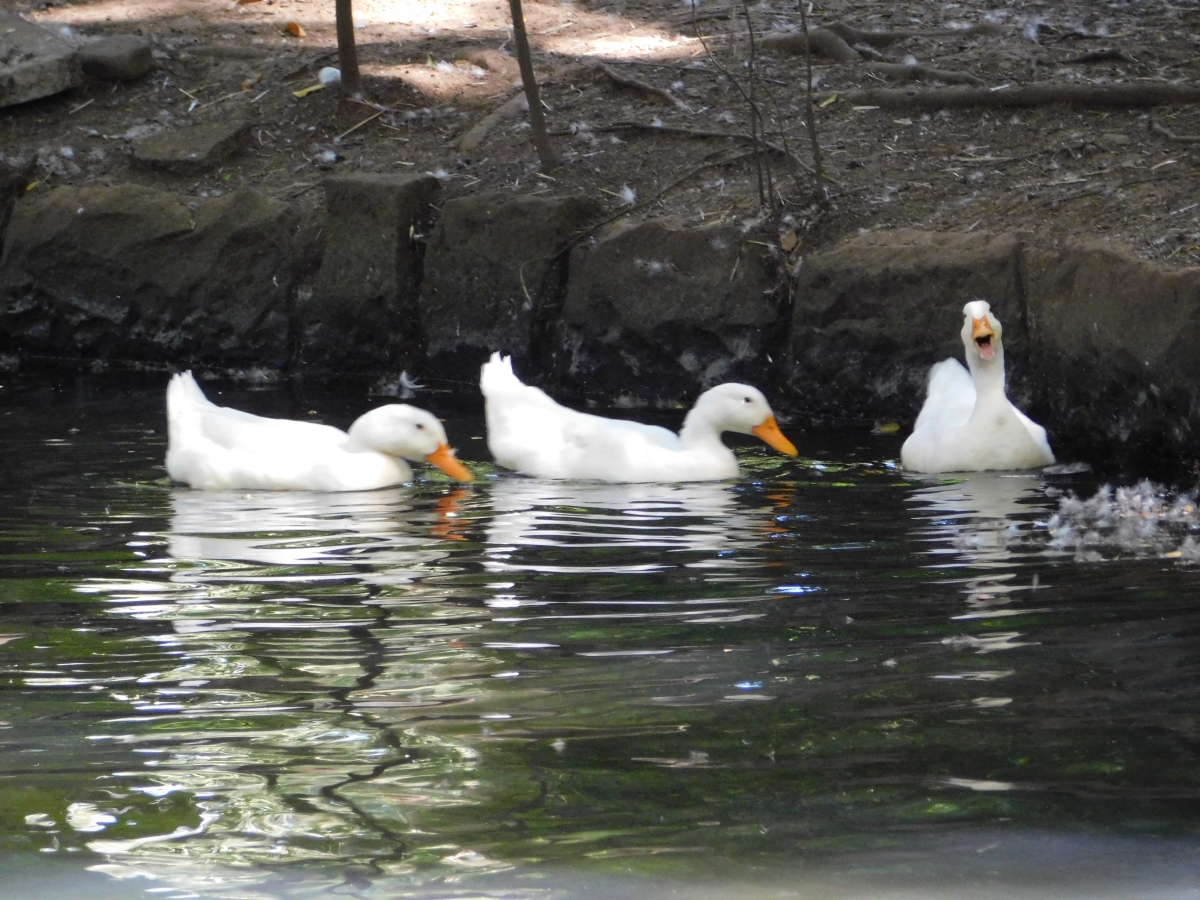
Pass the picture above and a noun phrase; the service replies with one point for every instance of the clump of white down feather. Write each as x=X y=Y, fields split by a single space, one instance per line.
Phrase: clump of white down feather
x=1145 y=519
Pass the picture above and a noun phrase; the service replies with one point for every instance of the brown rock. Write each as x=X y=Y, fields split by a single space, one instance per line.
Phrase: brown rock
x=872 y=314
x=194 y=148
x=123 y=57
x=664 y=311
x=362 y=315
x=33 y=62
x=135 y=273
x=493 y=272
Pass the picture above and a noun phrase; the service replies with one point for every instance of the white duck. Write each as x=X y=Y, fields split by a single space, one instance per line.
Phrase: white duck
x=215 y=448
x=529 y=432
x=967 y=423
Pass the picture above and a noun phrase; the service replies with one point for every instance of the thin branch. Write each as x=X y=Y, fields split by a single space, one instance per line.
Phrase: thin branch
x=755 y=117
x=810 y=114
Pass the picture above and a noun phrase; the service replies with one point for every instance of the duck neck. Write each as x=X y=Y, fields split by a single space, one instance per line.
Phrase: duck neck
x=700 y=429
x=988 y=374
x=365 y=434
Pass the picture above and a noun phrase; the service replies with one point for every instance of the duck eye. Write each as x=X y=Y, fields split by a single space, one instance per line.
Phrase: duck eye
x=420 y=425
x=748 y=400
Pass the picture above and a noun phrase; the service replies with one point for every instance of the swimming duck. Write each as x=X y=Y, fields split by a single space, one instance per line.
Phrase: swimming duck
x=529 y=432
x=215 y=448
x=967 y=423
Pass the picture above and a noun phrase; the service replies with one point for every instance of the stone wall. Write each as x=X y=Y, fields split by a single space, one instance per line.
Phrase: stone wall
x=1099 y=344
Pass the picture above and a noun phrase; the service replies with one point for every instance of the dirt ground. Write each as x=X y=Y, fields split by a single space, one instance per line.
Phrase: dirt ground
x=1051 y=172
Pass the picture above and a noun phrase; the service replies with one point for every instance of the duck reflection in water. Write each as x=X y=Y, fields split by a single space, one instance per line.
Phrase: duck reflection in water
x=657 y=527
x=387 y=528
x=982 y=521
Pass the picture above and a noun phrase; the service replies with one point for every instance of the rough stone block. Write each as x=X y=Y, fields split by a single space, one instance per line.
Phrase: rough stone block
x=192 y=149
x=123 y=57
x=875 y=312
x=135 y=273
x=1115 y=365
x=33 y=62
x=658 y=310
x=493 y=270
x=362 y=314
x=15 y=176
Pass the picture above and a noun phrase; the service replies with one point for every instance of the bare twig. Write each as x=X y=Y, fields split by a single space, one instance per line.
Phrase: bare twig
x=810 y=113
x=756 y=125
x=353 y=128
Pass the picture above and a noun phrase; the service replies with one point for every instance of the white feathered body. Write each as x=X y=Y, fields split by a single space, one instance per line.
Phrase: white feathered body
x=968 y=423
x=532 y=434
x=214 y=447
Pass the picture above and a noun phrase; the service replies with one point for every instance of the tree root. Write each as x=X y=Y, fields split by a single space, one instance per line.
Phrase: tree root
x=1086 y=96
x=636 y=84
x=1095 y=56
x=820 y=42
x=510 y=108
x=905 y=72
x=1166 y=132
x=844 y=43
x=702 y=133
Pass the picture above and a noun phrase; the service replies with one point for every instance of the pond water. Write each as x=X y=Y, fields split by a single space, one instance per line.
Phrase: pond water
x=828 y=679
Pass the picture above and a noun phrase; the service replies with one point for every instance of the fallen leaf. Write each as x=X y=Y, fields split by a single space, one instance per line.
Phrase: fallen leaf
x=294 y=29
x=304 y=92
x=885 y=428
x=244 y=2
x=789 y=241
x=32 y=185
x=5 y=638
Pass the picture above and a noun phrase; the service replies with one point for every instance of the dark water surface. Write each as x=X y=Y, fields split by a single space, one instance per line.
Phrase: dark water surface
x=827 y=679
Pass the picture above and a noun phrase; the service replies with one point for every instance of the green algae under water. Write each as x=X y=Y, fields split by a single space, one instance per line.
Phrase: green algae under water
x=826 y=678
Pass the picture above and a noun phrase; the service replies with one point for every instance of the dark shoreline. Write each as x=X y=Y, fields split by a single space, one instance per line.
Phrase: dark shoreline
x=1100 y=345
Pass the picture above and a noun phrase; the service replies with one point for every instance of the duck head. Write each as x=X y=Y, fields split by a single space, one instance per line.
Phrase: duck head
x=409 y=433
x=981 y=332
x=741 y=408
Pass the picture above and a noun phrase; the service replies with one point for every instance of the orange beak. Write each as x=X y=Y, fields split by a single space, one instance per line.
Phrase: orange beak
x=443 y=457
x=769 y=432
x=982 y=334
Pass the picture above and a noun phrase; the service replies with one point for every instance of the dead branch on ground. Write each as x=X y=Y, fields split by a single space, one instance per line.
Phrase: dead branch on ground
x=1110 y=53
x=1133 y=95
x=918 y=72
x=1159 y=128
x=637 y=84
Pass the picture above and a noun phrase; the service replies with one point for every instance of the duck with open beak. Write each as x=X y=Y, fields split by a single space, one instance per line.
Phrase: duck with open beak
x=968 y=423
x=983 y=335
